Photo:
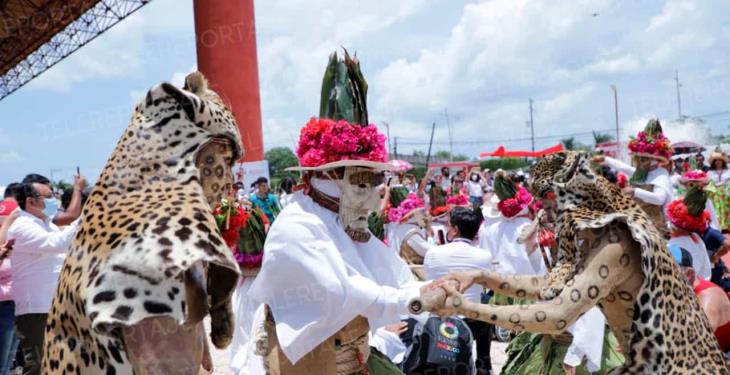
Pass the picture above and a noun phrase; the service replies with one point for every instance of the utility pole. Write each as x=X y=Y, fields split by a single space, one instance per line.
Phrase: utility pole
x=395 y=148
x=54 y=170
x=532 y=128
x=615 y=108
x=430 y=143
x=451 y=135
x=387 y=129
x=679 y=98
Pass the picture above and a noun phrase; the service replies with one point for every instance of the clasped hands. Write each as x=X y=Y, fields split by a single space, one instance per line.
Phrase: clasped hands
x=454 y=285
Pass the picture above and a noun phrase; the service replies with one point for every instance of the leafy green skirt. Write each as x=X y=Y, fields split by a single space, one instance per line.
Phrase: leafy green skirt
x=538 y=354
x=379 y=364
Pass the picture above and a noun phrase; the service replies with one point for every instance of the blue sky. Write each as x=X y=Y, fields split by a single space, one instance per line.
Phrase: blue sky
x=482 y=60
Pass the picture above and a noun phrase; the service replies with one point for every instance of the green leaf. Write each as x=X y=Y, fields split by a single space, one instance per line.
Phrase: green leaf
x=695 y=200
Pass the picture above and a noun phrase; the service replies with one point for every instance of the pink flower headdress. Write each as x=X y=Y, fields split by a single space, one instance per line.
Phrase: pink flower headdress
x=342 y=135
x=512 y=199
x=651 y=142
x=408 y=205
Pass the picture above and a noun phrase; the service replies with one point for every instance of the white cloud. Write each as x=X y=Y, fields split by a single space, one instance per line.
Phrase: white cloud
x=113 y=54
x=483 y=63
x=689 y=130
x=673 y=11
x=565 y=101
x=502 y=52
x=623 y=64
x=294 y=40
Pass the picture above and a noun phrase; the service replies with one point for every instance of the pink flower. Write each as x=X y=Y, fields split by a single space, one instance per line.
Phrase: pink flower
x=324 y=141
x=523 y=196
x=409 y=204
x=457 y=200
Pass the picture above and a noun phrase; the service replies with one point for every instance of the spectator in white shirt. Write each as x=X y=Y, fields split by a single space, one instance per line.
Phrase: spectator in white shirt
x=72 y=210
x=37 y=260
x=461 y=255
x=475 y=186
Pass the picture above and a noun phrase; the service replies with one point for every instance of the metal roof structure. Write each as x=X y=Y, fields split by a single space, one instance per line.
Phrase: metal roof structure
x=37 y=34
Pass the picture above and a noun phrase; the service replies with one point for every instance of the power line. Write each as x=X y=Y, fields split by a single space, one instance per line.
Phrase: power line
x=507 y=140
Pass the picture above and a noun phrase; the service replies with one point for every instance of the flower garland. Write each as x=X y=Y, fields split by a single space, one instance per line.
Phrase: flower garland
x=653 y=144
x=510 y=207
x=409 y=204
x=323 y=141
x=679 y=216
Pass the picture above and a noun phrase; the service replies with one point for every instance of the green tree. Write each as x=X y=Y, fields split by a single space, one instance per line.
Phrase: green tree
x=61 y=185
x=279 y=159
x=442 y=155
x=602 y=138
x=419 y=172
x=445 y=155
x=568 y=143
x=504 y=163
x=460 y=157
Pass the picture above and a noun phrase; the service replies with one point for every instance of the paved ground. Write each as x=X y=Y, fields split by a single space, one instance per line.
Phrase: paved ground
x=220 y=358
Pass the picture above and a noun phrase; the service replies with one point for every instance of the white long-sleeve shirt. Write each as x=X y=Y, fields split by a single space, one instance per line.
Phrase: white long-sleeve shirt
x=663 y=193
x=38 y=255
x=458 y=255
x=315 y=279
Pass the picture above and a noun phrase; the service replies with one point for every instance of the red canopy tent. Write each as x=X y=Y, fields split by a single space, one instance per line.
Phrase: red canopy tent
x=500 y=152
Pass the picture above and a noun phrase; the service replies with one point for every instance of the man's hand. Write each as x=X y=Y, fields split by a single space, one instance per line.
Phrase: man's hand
x=454 y=304
x=464 y=279
x=599 y=159
x=397 y=328
x=629 y=190
x=79 y=182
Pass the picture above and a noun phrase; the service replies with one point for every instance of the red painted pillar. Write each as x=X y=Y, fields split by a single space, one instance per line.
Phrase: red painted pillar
x=225 y=33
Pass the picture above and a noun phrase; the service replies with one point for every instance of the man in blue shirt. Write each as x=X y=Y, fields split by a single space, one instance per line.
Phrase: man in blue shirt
x=265 y=200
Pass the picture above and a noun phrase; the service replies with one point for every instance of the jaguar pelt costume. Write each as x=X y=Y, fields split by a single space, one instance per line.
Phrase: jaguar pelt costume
x=610 y=256
x=148 y=261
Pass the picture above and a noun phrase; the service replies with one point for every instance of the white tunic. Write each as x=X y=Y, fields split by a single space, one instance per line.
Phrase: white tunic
x=316 y=279
x=244 y=311
x=500 y=238
x=663 y=192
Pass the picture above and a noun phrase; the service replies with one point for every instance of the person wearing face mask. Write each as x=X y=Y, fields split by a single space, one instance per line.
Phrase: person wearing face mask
x=37 y=259
x=326 y=281
x=475 y=187
x=72 y=210
x=649 y=182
